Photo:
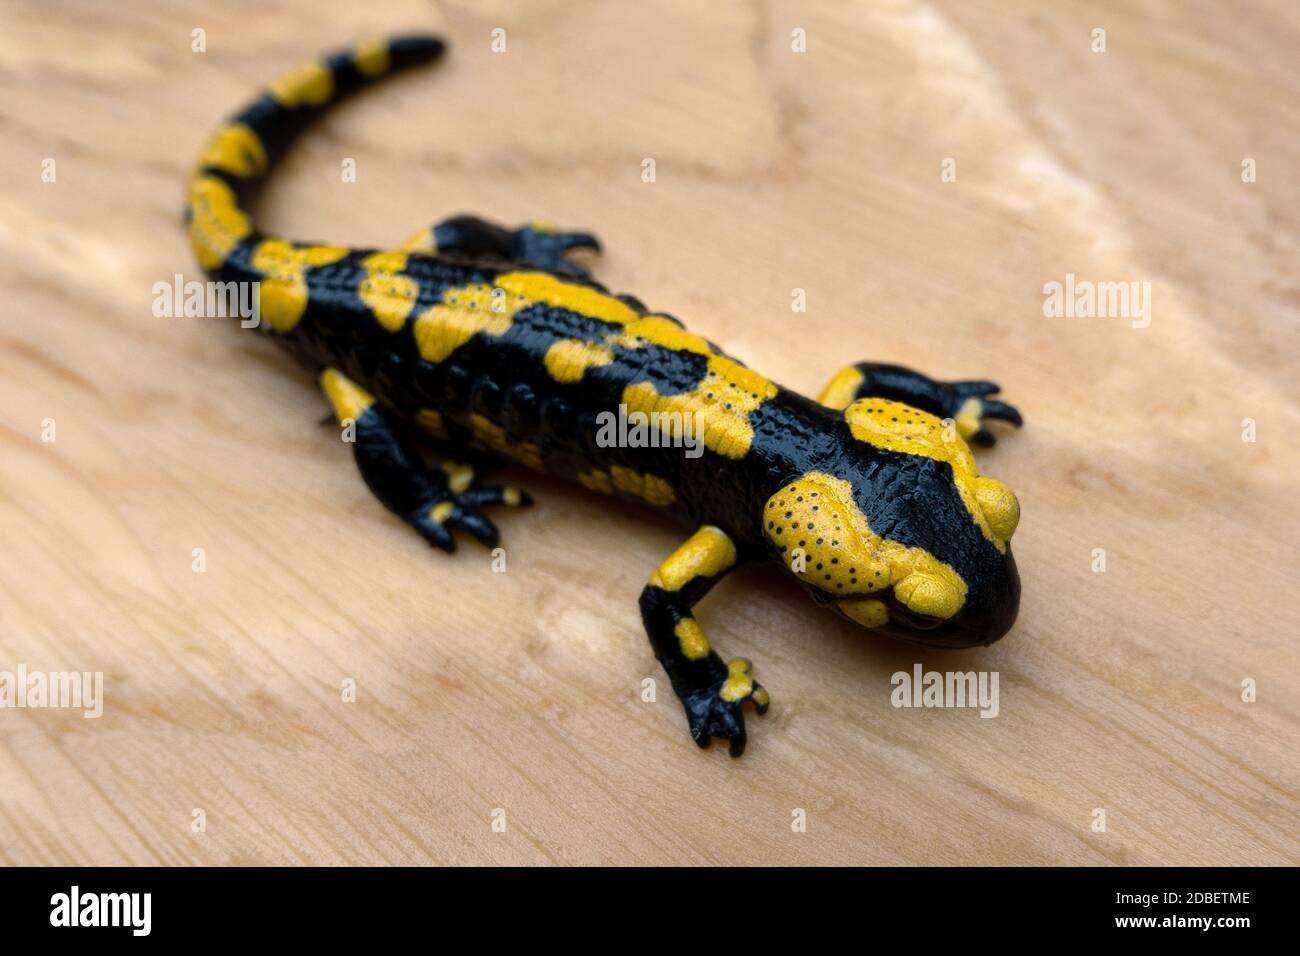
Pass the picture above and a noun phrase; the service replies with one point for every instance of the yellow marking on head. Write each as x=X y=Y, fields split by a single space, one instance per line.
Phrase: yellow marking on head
x=596 y=481
x=388 y=293
x=691 y=639
x=430 y=422
x=568 y=359
x=846 y=559
x=348 y=398
x=459 y=475
x=897 y=427
x=842 y=388
x=999 y=505
x=371 y=57
x=492 y=435
x=761 y=697
x=649 y=487
x=738 y=684
x=707 y=552
x=217 y=224
x=283 y=286
x=311 y=84
x=441 y=511
x=422 y=241
x=235 y=149
x=968 y=417
x=869 y=612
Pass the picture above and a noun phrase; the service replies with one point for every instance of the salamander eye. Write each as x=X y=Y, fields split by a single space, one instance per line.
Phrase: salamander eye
x=1000 y=507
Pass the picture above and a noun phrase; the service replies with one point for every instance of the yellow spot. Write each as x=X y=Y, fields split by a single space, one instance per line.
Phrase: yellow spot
x=348 y=398
x=650 y=487
x=846 y=559
x=738 y=684
x=897 y=427
x=236 y=150
x=706 y=553
x=463 y=313
x=217 y=224
x=389 y=294
x=422 y=241
x=596 y=481
x=760 y=697
x=512 y=497
x=691 y=639
x=441 y=511
x=726 y=396
x=661 y=330
x=999 y=505
x=371 y=57
x=568 y=359
x=535 y=287
x=468 y=310
x=493 y=436
x=283 y=287
x=869 y=612
x=842 y=388
x=430 y=422
x=311 y=84
x=933 y=594
x=459 y=476
x=968 y=417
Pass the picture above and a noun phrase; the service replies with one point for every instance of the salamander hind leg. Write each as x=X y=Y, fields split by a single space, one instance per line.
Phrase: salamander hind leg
x=711 y=690
x=537 y=244
x=432 y=501
x=967 y=403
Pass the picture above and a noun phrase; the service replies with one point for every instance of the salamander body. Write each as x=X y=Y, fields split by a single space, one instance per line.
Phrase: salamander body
x=487 y=340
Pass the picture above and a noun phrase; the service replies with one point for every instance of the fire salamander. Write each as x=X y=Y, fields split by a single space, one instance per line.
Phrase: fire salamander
x=475 y=337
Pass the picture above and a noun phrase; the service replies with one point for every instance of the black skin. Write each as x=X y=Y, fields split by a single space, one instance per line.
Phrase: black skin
x=503 y=379
x=387 y=457
x=696 y=683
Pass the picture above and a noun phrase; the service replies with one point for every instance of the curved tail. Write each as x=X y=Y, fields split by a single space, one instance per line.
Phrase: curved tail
x=238 y=157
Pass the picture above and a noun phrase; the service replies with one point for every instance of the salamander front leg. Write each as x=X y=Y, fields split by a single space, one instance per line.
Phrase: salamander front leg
x=537 y=244
x=711 y=690
x=432 y=502
x=966 y=403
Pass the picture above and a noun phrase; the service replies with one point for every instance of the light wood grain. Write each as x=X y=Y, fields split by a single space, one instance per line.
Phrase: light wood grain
x=519 y=691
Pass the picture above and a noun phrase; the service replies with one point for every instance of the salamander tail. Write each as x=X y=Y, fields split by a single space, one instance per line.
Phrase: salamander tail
x=237 y=159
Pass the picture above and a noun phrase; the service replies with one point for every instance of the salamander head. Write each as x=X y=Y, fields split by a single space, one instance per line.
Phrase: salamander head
x=900 y=533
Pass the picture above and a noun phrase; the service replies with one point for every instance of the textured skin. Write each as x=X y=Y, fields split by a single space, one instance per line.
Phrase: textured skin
x=485 y=337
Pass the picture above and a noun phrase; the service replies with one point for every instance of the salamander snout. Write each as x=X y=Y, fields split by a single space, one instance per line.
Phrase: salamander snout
x=987 y=614
x=961 y=590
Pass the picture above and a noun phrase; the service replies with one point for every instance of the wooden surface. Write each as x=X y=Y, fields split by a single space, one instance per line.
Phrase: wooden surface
x=520 y=691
